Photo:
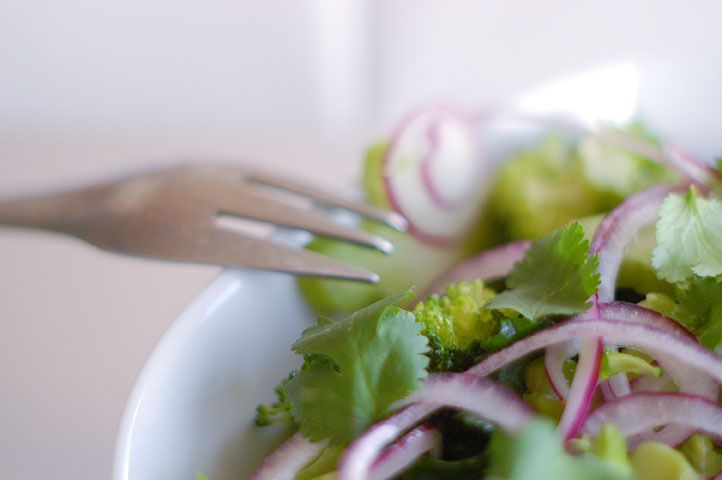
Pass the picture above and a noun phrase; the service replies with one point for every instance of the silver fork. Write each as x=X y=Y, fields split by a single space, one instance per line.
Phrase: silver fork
x=173 y=213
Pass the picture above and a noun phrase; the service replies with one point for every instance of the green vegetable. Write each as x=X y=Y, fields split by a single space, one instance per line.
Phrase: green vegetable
x=278 y=411
x=656 y=461
x=456 y=324
x=620 y=171
x=661 y=303
x=689 y=237
x=610 y=446
x=536 y=452
x=542 y=189
x=539 y=392
x=550 y=185
x=700 y=310
x=355 y=369
x=614 y=362
x=702 y=455
x=325 y=463
x=557 y=276
x=413 y=263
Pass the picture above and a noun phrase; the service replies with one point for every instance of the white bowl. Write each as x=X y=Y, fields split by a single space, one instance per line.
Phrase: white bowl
x=193 y=404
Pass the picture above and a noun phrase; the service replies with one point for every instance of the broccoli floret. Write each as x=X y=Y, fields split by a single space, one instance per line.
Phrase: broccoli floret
x=457 y=324
x=547 y=186
x=278 y=411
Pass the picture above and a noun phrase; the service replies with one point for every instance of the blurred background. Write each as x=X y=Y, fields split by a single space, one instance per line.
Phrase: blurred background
x=93 y=88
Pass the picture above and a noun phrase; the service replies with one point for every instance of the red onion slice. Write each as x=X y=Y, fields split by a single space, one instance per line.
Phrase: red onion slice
x=402 y=454
x=695 y=168
x=582 y=390
x=488 y=265
x=647 y=383
x=434 y=175
x=554 y=359
x=633 y=313
x=361 y=454
x=618 y=228
x=461 y=390
x=640 y=412
x=641 y=336
x=480 y=396
x=288 y=459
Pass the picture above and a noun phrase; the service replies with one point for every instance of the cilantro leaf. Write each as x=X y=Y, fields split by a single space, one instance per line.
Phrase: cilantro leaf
x=700 y=310
x=536 y=452
x=355 y=369
x=689 y=237
x=556 y=276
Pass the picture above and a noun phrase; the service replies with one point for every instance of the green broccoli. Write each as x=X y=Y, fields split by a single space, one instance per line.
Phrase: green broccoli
x=278 y=411
x=547 y=186
x=457 y=324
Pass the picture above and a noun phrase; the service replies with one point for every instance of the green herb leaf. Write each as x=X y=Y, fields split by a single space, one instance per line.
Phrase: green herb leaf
x=355 y=369
x=689 y=237
x=700 y=310
x=536 y=452
x=556 y=276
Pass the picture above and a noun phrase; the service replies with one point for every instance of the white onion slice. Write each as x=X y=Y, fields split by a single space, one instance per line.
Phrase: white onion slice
x=402 y=454
x=289 y=458
x=640 y=412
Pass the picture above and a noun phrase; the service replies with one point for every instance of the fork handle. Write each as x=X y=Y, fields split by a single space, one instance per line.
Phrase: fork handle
x=61 y=212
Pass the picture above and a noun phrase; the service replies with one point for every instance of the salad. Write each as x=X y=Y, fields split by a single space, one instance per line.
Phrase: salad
x=556 y=316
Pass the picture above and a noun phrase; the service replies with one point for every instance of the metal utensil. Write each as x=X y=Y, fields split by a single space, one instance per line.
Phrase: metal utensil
x=173 y=213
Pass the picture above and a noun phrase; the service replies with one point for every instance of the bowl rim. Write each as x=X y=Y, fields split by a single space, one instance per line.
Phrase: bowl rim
x=180 y=328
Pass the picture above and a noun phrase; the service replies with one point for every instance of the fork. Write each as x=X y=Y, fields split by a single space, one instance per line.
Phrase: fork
x=173 y=213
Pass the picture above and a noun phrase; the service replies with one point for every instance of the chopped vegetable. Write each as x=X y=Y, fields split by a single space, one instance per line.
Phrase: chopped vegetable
x=689 y=237
x=702 y=454
x=456 y=324
x=544 y=327
x=355 y=369
x=656 y=461
x=537 y=452
x=556 y=277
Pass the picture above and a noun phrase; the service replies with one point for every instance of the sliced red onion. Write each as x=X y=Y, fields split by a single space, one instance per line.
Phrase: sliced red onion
x=647 y=383
x=640 y=412
x=618 y=228
x=361 y=454
x=689 y=382
x=433 y=175
x=625 y=333
x=288 y=459
x=554 y=359
x=488 y=265
x=633 y=313
x=402 y=454
x=480 y=396
x=582 y=390
x=695 y=168
x=461 y=390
